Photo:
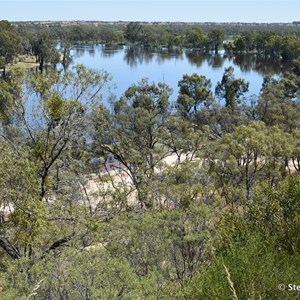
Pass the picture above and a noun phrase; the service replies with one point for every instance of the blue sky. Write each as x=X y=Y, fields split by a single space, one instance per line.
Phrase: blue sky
x=187 y=11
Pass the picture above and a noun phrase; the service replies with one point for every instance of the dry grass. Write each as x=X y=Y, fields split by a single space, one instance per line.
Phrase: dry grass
x=34 y=291
x=234 y=295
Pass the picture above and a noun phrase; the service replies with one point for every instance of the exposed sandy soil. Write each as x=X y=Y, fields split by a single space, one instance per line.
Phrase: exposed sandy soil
x=99 y=186
x=107 y=181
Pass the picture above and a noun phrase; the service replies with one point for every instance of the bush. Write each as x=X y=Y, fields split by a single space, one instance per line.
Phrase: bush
x=255 y=269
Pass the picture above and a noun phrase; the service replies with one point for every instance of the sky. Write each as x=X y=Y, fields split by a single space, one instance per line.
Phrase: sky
x=263 y=11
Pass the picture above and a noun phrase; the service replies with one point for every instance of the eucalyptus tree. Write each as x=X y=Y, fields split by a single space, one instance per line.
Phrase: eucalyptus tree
x=57 y=119
x=185 y=139
x=278 y=102
x=42 y=202
x=66 y=43
x=132 y=32
x=110 y=36
x=215 y=38
x=231 y=89
x=135 y=135
x=249 y=155
x=44 y=48
x=11 y=91
x=195 y=102
x=197 y=39
x=290 y=48
x=194 y=94
x=10 y=44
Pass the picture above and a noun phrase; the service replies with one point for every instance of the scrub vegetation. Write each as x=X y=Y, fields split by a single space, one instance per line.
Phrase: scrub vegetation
x=196 y=198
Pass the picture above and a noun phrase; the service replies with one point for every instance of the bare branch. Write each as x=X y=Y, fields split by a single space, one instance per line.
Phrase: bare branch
x=9 y=248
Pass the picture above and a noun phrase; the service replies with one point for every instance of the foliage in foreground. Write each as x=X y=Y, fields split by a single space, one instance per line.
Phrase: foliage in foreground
x=257 y=250
x=221 y=220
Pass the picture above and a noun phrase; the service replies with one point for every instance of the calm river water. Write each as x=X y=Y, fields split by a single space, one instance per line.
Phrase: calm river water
x=128 y=65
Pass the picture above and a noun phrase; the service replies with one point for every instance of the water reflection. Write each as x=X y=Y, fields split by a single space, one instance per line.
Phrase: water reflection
x=78 y=51
x=215 y=61
x=91 y=51
x=137 y=55
x=129 y=64
x=195 y=57
x=164 y=54
x=259 y=64
x=110 y=50
x=134 y=56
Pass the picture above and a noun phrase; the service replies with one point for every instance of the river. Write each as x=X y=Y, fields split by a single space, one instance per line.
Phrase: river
x=129 y=64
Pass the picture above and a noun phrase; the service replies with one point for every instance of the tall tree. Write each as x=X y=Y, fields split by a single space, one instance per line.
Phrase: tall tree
x=132 y=32
x=10 y=44
x=66 y=44
x=135 y=136
x=231 y=89
x=194 y=95
x=277 y=103
x=38 y=162
x=251 y=153
x=44 y=48
x=63 y=102
x=216 y=37
x=197 y=39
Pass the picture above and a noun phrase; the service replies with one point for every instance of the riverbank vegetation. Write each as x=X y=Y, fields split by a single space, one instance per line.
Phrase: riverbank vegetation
x=51 y=42
x=151 y=198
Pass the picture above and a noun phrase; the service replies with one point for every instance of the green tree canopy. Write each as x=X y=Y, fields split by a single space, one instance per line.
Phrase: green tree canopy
x=10 y=44
x=231 y=89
